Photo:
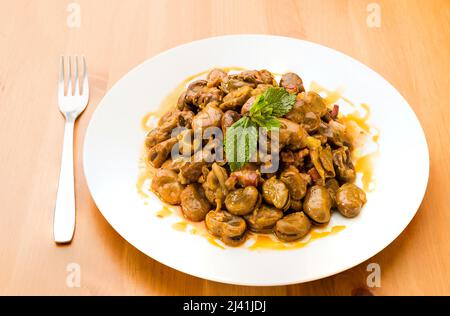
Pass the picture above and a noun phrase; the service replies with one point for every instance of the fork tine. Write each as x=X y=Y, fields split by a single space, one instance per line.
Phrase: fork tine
x=75 y=78
x=61 y=77
x=85 y=79
x=69 y=78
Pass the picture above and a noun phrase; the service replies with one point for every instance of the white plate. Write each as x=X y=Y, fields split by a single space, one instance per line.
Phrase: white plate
x=114 y=141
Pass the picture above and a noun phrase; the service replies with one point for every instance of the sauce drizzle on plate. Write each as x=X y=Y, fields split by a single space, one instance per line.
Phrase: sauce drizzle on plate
x=266 y=241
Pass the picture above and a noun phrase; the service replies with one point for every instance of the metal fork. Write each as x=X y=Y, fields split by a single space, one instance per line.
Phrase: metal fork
x=71 y=105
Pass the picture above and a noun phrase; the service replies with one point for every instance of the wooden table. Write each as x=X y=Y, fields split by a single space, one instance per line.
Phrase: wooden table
x=411 y=48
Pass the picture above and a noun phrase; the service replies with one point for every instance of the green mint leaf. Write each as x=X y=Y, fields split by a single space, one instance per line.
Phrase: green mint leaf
x=251 y=141
x=241 y=143
x=265 y=121
x=275 y=101
x=279 y=100
x=242 y=137
x=258 y=105
x=230 y=143
x=270 y=122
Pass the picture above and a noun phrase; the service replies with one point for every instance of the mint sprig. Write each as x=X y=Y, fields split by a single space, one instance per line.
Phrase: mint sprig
x=242 y=137
x=273 y=102
x=240 y=142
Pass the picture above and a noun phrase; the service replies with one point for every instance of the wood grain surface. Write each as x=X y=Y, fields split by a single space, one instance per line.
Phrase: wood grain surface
x=411 y=48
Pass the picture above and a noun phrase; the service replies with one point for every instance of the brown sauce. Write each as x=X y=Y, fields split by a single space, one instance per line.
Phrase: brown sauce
x=364 y=165
x=164 y=212
x=180 y=226
x=195 y=228
x=214 y=242
x=144 y=180
x=263 y=241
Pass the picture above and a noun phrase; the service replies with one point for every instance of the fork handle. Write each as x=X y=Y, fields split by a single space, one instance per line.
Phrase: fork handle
x=64 y=217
